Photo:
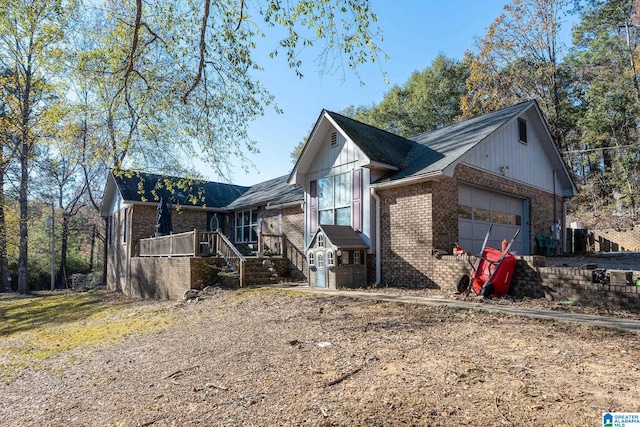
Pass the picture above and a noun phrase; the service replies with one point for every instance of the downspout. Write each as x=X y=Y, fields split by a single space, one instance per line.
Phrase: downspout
x=378 y=251
x=564 y=225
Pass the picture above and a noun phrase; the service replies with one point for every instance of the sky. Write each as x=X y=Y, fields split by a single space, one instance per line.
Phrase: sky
x=414 y=33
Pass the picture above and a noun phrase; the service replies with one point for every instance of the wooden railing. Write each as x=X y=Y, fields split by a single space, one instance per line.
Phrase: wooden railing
x=271 y=244
x=296 y=257
x=191 y=243
x=230 y=253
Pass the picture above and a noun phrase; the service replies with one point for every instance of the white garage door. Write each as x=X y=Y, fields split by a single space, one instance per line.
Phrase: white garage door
x=477 y=209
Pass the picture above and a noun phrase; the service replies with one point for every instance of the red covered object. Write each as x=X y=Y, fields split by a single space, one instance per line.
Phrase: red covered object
x=502 y=272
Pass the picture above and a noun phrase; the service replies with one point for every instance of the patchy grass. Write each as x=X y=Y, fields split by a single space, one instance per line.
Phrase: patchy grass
x=44 y=325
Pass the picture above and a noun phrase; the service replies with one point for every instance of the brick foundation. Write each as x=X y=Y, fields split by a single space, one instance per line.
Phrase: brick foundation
x=168 y=278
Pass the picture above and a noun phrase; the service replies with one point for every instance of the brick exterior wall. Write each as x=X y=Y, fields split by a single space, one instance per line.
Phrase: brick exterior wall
x=293 y=230
x=406 y=235
x=142 y=221
x=169 y=278
x=270 y=219
x=418 y=218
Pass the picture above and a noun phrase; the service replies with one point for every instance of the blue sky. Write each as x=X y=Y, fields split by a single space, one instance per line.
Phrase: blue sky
x=414 y=31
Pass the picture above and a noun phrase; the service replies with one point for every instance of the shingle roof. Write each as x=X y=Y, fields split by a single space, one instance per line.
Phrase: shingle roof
x=377 y=144
x=433 y=151
x=275 y=191
x=146 y=187
x=343 y=236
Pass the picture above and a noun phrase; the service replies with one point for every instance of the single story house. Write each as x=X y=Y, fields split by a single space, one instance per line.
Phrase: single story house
x=131 y=200
x=401 y=198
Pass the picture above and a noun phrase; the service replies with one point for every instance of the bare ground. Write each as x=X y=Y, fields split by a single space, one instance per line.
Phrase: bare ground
x=267 y=358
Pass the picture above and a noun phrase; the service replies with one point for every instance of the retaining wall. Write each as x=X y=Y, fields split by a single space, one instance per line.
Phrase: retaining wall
x=533 y=279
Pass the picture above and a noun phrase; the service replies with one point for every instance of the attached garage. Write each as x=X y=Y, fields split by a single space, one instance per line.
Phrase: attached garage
x=478 y=208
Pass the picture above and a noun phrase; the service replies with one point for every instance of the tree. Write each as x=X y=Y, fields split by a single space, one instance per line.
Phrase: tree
x=604 y=88
x=428 y=100
x=518 y=60
x=61 y=167
x=7 y=136
x=30 y=37
x=182 y=81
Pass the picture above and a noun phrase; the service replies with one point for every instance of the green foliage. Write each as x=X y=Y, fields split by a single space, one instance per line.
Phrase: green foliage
x=183 y=82
x=518 y=60
x=430 y=99
x=603 y=65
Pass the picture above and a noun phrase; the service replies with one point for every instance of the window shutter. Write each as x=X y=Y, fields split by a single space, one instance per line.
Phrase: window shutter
x=313 y=207
x=356 y=201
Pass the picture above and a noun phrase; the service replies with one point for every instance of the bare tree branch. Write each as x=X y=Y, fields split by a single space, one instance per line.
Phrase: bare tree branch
x=203 y=48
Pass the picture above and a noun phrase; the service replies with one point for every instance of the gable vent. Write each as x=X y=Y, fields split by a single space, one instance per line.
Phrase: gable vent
x=334 y=139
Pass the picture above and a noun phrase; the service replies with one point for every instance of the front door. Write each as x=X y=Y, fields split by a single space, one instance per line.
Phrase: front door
x=320 y=270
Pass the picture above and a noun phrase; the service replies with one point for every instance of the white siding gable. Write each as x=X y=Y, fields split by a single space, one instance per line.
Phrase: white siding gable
x=335 y=159
x=502 y=153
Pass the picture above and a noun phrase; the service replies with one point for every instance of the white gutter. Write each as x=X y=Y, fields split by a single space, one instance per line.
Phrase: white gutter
x=284 y=205
x=564 y=225
x=380 y=165
x=407 y=181
x=378 y=249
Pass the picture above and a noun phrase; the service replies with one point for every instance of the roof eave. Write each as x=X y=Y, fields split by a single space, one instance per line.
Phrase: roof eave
x=379 y=165
x=284 y=205
x=431 y=176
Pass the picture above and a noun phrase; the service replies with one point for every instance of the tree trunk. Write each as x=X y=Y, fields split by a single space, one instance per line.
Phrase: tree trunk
x=62 y=274
x=93 y=246
x=4 y=263
x=23 y=282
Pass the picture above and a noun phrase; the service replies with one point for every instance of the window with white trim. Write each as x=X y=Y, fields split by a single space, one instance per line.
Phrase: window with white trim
x=311 y=259
x=247 y=226
x=334 y=200
x=330 y=258
x=320 y=240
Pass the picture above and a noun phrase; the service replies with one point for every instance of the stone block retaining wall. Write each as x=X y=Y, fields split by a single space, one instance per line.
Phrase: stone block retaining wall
x=533 y=279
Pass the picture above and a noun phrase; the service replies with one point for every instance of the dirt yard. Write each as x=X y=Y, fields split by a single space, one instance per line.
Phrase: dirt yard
x=283 y=358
